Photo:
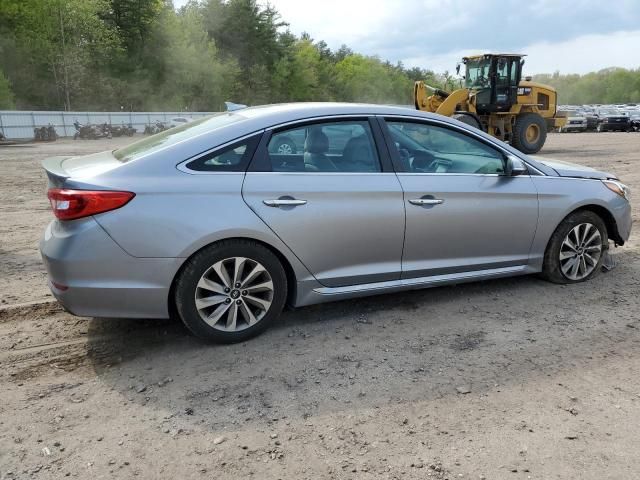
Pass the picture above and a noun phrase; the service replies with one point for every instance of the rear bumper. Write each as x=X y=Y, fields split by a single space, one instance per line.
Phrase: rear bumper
x=90 y=275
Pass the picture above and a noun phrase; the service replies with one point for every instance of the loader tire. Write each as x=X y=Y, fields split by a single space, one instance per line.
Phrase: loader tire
x=466 y=118
x=529 y=133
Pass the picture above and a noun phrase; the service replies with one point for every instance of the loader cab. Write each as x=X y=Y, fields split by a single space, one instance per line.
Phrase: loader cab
x=494 y=80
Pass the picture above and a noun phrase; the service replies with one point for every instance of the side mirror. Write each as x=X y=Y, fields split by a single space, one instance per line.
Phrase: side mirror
x=515 y=166
x=458 y=69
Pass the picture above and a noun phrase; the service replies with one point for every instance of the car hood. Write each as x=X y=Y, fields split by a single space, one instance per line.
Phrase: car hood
x=568 y=169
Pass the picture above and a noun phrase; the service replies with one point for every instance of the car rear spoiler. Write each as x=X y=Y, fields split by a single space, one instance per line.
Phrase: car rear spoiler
x=53 y=166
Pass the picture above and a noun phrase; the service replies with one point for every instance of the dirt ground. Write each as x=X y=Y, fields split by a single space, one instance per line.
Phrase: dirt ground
x=512 y=378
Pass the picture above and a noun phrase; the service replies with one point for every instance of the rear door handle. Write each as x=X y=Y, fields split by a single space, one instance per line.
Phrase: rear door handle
x=426 y=201
x=284 y=202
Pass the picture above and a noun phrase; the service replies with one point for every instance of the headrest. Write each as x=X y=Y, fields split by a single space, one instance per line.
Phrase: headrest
x=316 y=142
x=358 y=149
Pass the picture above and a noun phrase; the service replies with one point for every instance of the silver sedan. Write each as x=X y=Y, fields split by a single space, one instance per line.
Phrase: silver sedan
x=211 y=221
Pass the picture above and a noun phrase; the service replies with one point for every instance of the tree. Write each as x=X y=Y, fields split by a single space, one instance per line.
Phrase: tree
x=6 y=95
x=65 y=40
x=367 y=79
x=611 y=85
x=248 y=34
x=146 y=55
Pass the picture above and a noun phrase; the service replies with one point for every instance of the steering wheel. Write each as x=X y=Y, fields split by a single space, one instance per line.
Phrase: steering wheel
x=422 y=161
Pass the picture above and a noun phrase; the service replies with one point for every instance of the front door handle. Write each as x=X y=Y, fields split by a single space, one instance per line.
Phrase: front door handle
x=284 y=202
x=426 y=201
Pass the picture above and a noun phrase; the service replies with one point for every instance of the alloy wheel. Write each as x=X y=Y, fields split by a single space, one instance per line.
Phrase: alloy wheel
x=285 y=149
x=234 y=294
x=580 y=251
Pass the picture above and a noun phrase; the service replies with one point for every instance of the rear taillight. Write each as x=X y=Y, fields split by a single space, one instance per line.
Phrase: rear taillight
x=72 y=204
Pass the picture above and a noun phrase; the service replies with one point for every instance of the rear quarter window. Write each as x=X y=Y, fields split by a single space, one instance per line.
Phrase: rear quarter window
x=231 y=158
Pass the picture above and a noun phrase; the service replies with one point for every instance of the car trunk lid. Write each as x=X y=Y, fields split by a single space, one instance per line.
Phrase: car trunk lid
x=60 y=169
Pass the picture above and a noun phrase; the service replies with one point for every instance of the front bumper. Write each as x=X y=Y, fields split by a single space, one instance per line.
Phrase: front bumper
x=90 y=275
x=621 y=210
x=615 y=125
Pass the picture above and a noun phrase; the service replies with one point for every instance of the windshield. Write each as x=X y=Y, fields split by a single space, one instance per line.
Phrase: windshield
x=477 y=75
x=175 y=135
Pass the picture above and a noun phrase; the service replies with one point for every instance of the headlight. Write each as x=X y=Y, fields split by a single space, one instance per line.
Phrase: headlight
x=618 y=187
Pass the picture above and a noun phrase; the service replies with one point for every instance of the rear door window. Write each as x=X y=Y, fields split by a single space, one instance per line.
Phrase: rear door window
x=341 y=146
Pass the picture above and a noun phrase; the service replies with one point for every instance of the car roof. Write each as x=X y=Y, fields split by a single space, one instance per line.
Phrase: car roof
x=298 y=111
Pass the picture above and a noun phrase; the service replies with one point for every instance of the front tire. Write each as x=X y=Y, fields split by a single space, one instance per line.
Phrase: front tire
x=529 y=133
x=466 y=118
x=576 y=249
x=231 y=291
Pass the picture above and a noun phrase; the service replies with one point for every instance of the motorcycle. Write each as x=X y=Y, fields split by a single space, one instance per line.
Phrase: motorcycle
x=51 y=133
x=120 y=131
x=45 y=134
x=156 y=128
x=91 y=132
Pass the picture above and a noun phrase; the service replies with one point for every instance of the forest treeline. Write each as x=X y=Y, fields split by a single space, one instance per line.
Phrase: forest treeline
x=145 y=55
x=608 y=86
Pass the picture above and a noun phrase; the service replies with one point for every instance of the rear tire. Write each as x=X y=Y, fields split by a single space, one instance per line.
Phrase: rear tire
x=560 y=256
x=220 y=297
x=529 y=132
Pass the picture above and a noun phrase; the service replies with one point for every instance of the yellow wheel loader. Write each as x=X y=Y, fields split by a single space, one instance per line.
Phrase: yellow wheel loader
x=496 y=100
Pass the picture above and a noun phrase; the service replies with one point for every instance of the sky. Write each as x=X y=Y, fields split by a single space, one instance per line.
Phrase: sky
x=570 y=36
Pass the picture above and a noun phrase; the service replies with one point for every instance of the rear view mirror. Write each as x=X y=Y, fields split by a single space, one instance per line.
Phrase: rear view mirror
x=515 y=166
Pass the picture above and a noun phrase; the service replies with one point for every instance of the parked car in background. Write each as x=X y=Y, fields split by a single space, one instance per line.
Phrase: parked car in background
x=576 y=122
x=634 y=122
x=208 y=221
x=610 y=119
x=176 y=121
x=591 y=118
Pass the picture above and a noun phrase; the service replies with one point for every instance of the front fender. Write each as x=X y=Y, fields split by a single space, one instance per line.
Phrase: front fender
x=560 y=196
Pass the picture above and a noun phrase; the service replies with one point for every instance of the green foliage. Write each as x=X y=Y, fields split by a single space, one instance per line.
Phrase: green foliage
x=6 y=95
x=145 y=55
x=611 y=85
x=53 y=49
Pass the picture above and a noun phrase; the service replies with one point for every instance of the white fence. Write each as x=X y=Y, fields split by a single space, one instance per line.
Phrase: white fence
x=16 y=124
